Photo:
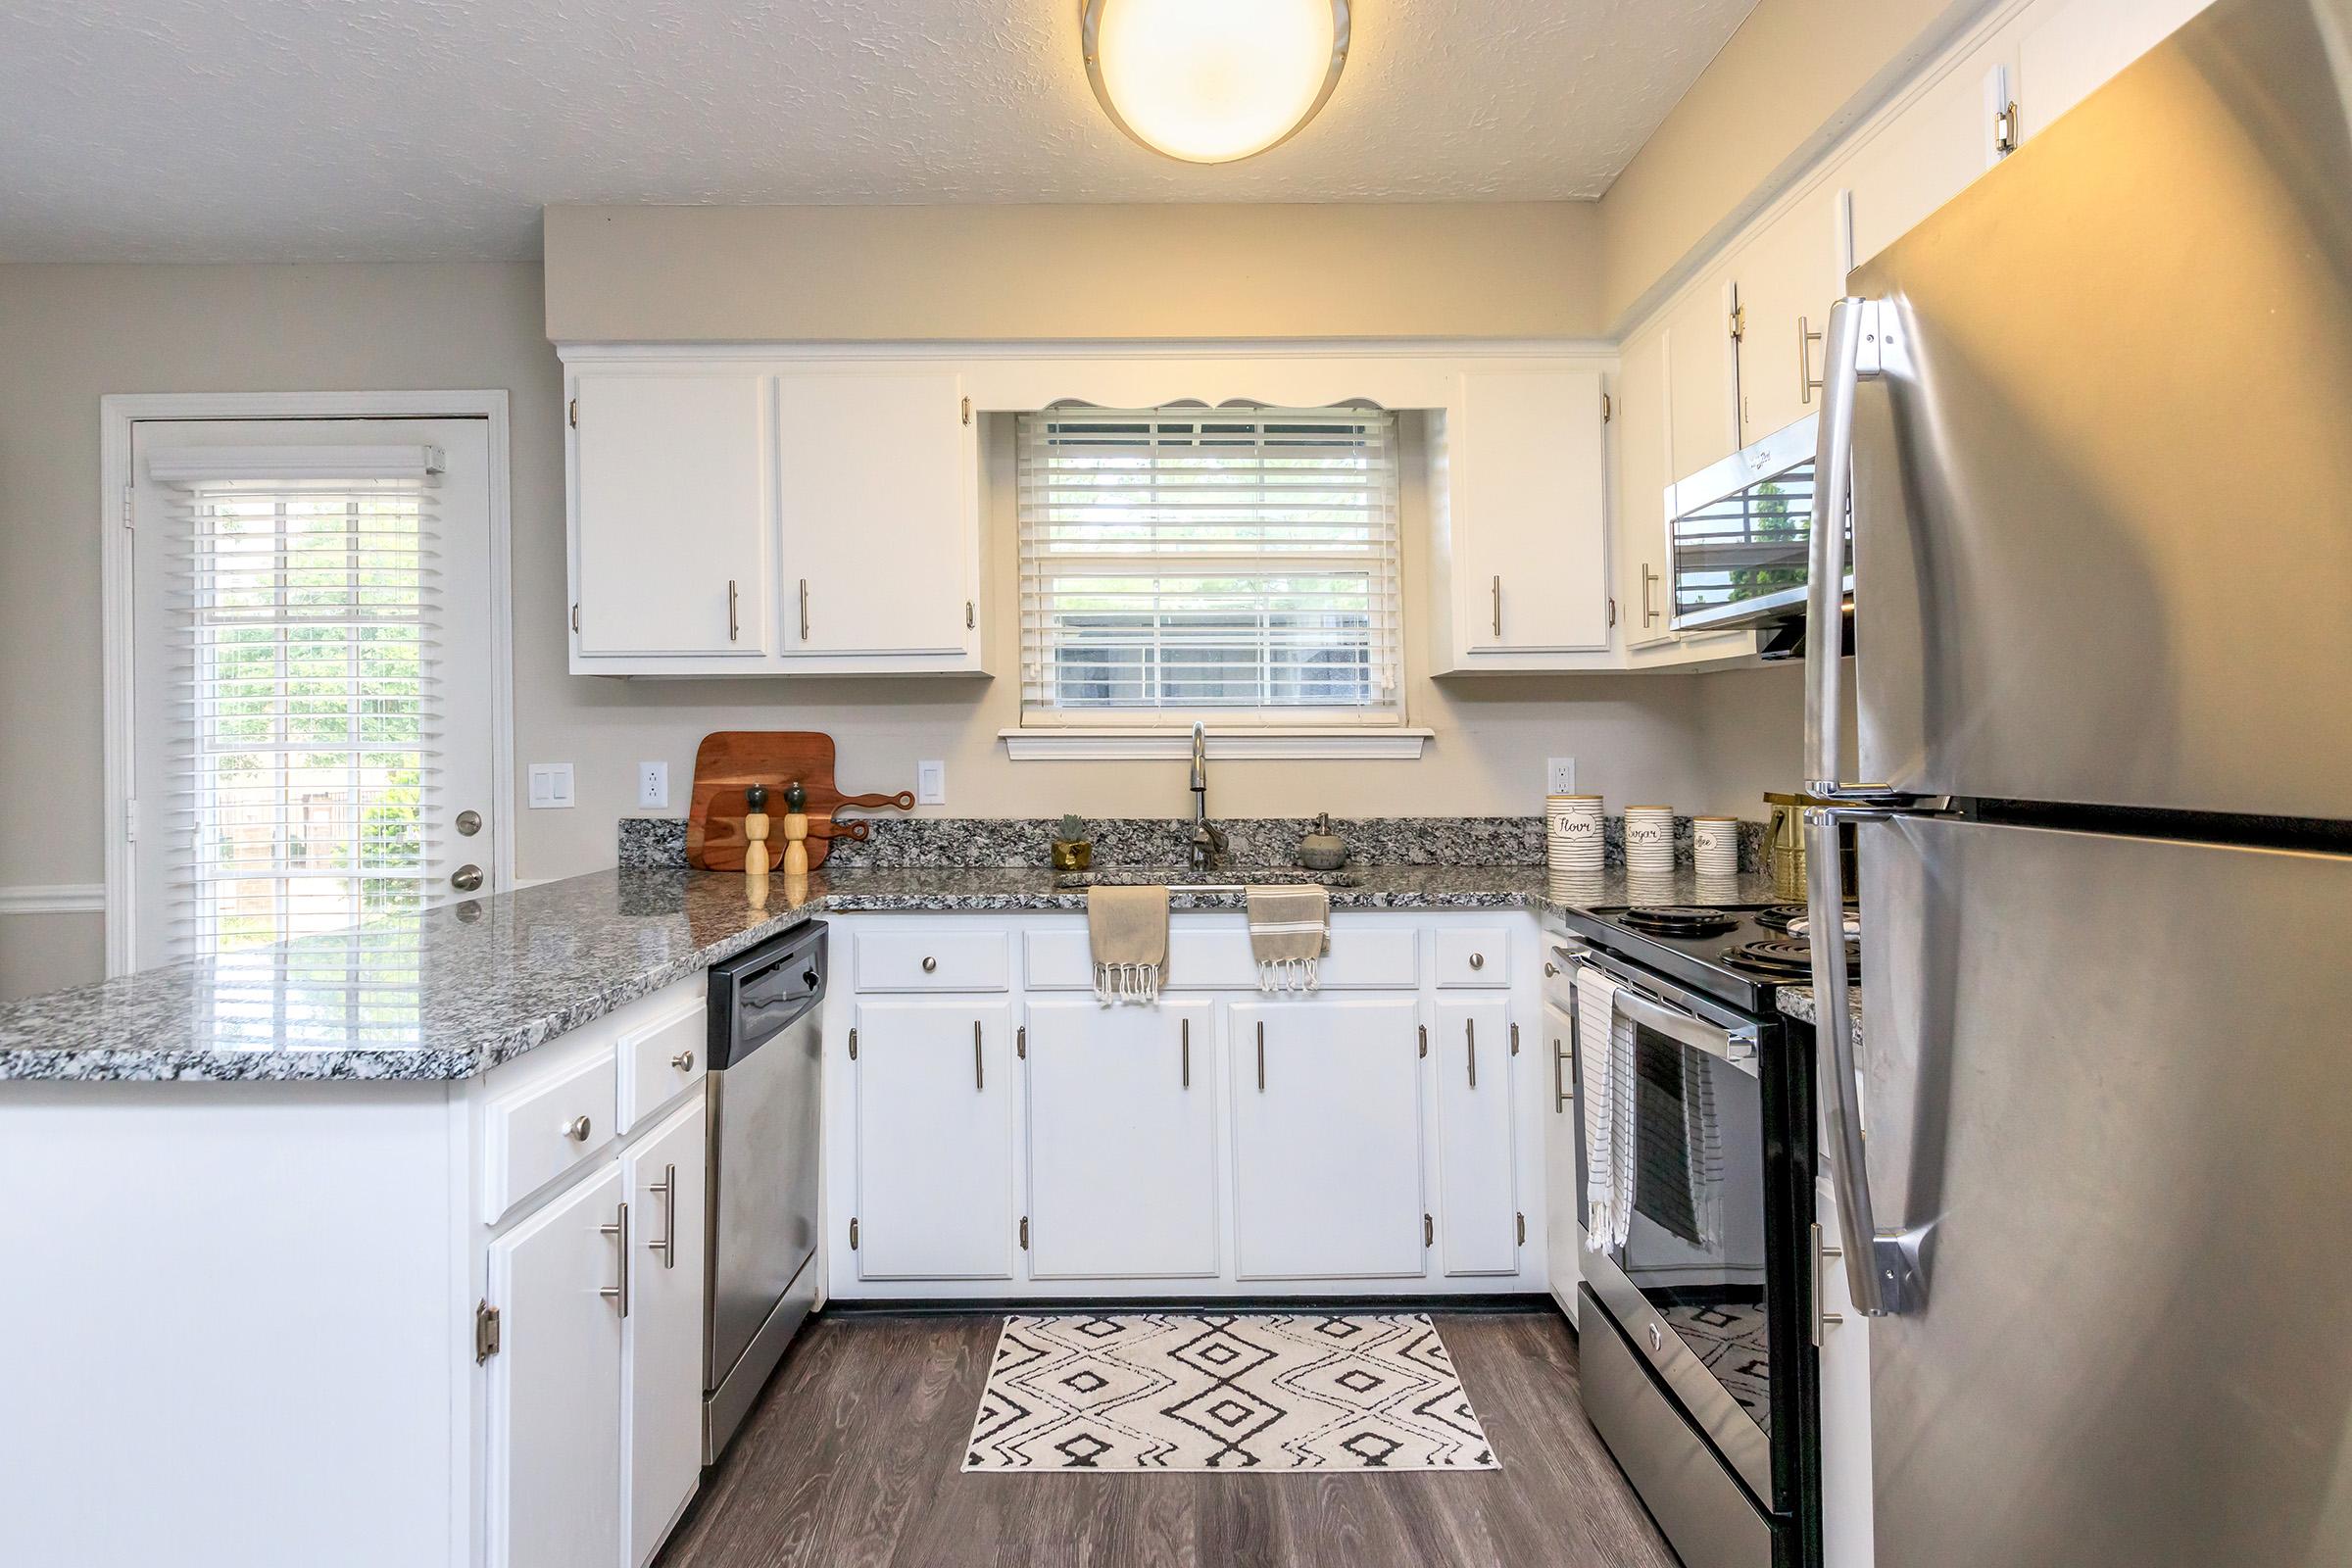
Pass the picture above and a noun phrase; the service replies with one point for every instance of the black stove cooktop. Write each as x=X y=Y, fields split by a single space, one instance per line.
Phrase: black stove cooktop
x=1736 y=954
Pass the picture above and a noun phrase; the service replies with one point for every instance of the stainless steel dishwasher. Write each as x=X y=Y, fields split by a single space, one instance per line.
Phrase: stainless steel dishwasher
x=765 y=1012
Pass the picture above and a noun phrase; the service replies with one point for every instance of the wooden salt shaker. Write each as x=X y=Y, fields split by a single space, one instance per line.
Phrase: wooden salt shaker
x=796 y=830
x=754 y=831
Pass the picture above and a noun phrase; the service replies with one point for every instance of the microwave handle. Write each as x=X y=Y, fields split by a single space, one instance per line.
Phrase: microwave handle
x=1851 y=351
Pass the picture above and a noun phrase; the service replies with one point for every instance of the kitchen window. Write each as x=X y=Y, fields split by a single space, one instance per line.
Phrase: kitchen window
x=1236 y=567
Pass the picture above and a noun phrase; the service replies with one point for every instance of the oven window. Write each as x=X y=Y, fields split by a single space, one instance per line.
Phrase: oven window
x=1695 y=1246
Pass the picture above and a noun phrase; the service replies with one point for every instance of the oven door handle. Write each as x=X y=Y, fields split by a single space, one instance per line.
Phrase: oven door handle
x=1713 y=1038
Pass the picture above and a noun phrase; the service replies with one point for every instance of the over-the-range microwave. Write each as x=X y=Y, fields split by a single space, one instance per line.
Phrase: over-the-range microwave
x=1739 y=533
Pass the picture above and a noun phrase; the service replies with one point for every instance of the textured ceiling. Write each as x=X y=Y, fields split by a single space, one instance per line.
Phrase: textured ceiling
x=386 y=129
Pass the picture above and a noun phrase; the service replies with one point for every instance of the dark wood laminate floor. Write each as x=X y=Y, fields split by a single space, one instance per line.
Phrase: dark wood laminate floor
x=853 y=1460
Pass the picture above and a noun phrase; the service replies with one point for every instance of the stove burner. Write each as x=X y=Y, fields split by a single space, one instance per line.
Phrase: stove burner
x=1781 y=916
x=1678 y=920
x=1780 y=959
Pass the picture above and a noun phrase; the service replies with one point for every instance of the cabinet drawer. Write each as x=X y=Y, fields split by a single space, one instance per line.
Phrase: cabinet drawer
x=934 y=961
x=1219 y=960
x=538 y=1134
x=1476 y=957
x=661 y=1061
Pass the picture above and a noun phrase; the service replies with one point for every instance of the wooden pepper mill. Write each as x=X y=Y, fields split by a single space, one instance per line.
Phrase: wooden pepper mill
x=754 y=831
x=796 y=830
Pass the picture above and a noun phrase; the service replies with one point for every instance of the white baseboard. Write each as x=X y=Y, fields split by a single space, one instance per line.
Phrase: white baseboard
x=54 y=898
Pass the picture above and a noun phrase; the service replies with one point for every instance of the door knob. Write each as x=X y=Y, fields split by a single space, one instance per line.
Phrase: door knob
x=468 y=823
x=465 y=878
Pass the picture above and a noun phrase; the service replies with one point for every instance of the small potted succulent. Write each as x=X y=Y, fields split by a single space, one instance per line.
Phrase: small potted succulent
x=1071 y=850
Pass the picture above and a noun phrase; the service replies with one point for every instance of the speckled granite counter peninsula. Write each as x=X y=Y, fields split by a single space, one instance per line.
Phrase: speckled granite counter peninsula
x=458 y=991
x=1799 y=1003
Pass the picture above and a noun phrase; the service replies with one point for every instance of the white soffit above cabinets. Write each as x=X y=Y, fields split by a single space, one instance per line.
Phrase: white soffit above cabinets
x=409 y=129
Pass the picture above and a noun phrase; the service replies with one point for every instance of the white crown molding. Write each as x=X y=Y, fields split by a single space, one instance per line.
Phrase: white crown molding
x=1273 y=745
x=54 y=898
x=1352 y=348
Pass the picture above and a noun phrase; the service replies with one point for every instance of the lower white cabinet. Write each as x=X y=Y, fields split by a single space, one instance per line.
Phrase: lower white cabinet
x=1563 y=1236
x=1327 y=1139
x=555 y=1496
x=661 y=1425
x=1122 y=1140
x=934 y=1090
x=1471 y=1049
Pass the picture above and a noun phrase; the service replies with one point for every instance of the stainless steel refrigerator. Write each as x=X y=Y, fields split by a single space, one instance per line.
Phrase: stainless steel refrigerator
x=2098 y=412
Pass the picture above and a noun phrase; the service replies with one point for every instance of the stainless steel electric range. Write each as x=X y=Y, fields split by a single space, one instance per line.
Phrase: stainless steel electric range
x=1695 y=1159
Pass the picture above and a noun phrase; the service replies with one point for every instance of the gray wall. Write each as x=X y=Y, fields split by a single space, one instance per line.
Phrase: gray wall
x=70 y=333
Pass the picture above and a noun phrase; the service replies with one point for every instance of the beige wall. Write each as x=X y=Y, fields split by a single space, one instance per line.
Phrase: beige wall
x=1796 y=74
x=1495 y=270
x=69 y=334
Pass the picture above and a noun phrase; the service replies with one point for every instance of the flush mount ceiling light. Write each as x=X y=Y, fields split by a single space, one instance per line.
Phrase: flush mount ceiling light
x=1212 y=81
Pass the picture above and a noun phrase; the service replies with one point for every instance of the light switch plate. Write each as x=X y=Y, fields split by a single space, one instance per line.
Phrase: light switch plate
x=1559 y=775
x=551 y=785
x=652 y=783
x=930 y=783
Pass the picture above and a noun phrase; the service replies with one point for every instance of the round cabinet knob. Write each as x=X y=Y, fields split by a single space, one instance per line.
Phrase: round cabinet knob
x=930 y=965
x=683 y=1061
x=576 y=1129
x=1551 y=970
x=1478 y=960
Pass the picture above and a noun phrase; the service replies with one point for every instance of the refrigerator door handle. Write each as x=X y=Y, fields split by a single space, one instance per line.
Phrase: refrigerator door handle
x=1881 y=1271
x=1853 y=350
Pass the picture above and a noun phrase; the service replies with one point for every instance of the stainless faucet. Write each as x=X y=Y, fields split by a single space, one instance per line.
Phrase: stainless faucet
x=1207 y=842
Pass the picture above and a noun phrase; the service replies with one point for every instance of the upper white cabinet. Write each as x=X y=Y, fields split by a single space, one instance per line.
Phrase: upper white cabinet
x=2070 y=48
x=1642 y=476
x=1945 y=136
x=1519 y=522
x=1702 y=375
x=673 y=515
x=1788 y=274
x=738 y=516
x=880 y=504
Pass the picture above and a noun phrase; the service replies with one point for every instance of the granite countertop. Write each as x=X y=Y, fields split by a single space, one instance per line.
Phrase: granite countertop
x=455 y=992
x=1797 y=1003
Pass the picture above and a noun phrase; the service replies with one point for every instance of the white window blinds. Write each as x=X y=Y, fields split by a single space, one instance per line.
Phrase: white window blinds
x=1234 y=564
x=305 y=610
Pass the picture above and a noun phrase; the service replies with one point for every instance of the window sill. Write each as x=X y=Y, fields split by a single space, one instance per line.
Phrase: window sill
x=1259 y=743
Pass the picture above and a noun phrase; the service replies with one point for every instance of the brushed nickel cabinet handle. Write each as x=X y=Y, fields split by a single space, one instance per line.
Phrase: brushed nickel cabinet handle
x=1559 y=1079
x=618 y=1293
x=803 y=610
x=1648 y=615
x=734 y=622
x=1498 y=605
x=667 y=1243
x=979 y=1073
x=575 y=1129
x=1470 y=1048
x=1184 y=1033
x=1806 y=385
x=1261 y=1058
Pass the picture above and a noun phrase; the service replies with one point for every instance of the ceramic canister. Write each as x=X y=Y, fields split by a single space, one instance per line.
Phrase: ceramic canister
x=1573 y=835
x=1650 y=840
x=1715 y=845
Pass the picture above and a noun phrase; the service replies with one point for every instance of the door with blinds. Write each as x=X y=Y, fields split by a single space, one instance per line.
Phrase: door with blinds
x=313 y=707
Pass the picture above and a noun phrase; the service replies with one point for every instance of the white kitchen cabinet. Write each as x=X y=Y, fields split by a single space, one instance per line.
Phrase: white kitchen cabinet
x=1941 y=139
x=1563 y=1237
x=1788 y=274
x=664 y=1174
x=1703 y=382
x=1643 y=415
x=880 y=513
x=1520 y=524
x=2067 y=50
x=1847 y=1524
x=554 y=1396
x=1326 y=1140
x=1470 y=1051
x=935 y=1139
x=673 y=508
x=1122 y=1140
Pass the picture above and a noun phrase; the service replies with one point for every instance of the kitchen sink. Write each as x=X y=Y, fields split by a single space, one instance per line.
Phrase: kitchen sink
x=1182 y=877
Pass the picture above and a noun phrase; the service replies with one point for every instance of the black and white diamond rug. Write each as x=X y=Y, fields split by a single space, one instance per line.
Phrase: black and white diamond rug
x=1218 y=1390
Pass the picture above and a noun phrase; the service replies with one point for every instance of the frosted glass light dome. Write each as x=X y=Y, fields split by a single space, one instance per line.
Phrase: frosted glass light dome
x=1213 y=80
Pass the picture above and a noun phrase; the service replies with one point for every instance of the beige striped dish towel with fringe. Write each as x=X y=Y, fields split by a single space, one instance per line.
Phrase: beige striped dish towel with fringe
x=1287 y=927
x=1128 y=930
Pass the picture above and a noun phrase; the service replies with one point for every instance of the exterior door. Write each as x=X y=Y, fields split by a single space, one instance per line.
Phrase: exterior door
x=1122 y=1140
x=555 y=1383
x=664 y=1431
x=2106 y=1076
x=1470 y=1049
x=313 y=737
x=1327 y=1139
x=935 y=1173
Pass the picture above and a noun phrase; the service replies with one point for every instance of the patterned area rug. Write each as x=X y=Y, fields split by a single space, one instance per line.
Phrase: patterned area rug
x=1206 y=1390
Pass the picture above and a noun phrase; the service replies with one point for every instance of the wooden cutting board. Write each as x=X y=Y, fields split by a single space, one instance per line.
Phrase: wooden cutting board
x=729 y=761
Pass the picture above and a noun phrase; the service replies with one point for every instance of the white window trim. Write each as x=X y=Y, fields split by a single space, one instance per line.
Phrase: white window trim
x=1286 y=742
x=118 y=413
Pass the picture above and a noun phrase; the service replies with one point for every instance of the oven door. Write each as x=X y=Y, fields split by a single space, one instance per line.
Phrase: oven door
x=1687 y=1281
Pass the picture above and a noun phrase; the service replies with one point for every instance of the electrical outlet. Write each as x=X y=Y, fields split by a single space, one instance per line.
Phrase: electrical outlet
x=930 y=783
x=1559 y=775
x=551 y=785
x=652 y=783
